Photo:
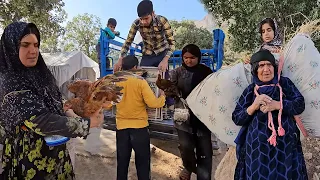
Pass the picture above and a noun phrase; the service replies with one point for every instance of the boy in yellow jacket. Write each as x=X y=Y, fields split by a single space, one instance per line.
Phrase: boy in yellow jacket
x=132 y=123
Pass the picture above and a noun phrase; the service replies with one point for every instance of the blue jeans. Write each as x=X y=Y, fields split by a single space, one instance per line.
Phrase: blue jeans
x=154 y=61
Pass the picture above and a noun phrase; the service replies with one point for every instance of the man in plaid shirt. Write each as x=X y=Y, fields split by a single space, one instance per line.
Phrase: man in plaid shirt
x=157 y=36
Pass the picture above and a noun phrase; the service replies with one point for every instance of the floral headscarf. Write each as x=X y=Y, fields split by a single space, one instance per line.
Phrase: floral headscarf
x=277 y=40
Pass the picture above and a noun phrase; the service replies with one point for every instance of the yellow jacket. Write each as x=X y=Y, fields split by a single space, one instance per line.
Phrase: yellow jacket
x=137 y=95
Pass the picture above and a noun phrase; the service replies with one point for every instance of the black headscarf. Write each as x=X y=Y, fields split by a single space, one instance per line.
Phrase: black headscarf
x=265 y=55
x=200 y=71
x=35 y=89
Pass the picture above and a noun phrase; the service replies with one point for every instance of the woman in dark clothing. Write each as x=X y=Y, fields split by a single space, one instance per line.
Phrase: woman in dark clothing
x=268 y=144
x=194 y=137
x=31 y=108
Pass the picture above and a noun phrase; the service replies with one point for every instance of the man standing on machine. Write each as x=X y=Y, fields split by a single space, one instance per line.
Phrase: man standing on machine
x=157 y=36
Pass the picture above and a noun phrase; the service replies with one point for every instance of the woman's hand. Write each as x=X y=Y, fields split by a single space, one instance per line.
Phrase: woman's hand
x=66 y=107
x=247 y=60
x=260 y=100
x=269 y=107
x=96 y=119
x=70 y=113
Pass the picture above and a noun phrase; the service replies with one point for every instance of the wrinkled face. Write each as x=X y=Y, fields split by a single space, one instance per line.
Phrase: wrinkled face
x=29 y=50
x=146 y=20
x=112 y=27
x=265 y=71
x=267 y=33
x=190 y=60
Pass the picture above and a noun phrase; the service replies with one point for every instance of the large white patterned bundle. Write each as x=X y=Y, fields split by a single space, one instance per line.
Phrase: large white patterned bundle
x=302 y=66
x=214 y=99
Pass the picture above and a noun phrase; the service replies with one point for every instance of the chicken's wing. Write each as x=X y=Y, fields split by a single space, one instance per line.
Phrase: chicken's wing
x=91 y=96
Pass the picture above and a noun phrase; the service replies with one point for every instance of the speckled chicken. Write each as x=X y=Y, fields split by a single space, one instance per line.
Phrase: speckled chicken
x=91 y=96
x=167 y=86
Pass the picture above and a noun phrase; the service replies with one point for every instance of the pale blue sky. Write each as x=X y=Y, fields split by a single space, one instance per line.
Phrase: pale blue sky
x=125 y=11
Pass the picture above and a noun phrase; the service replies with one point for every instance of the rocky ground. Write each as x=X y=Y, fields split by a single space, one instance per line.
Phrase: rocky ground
x=311 y=150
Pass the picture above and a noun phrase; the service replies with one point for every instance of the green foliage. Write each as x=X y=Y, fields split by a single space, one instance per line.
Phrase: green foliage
x=244 y=15
x=46 y=14
x=82 y=34
x=186 y=32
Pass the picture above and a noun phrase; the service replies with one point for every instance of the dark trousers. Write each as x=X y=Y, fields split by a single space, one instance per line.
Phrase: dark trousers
x=98 y=56
x=196 y=153
x=139 y=141
x=154 y=61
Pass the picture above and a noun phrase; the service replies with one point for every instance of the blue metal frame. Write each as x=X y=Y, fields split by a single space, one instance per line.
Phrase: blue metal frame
x=211 y=57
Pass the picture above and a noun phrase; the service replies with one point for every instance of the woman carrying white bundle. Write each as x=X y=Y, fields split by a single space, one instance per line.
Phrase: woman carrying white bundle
x=194 y=137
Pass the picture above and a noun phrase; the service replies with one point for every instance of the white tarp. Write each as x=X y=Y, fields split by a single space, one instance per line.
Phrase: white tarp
x=67 y=66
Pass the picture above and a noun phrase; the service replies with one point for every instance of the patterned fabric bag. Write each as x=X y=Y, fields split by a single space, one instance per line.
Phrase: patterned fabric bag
x=181 y=115
x=302 y=66
x=214 y=100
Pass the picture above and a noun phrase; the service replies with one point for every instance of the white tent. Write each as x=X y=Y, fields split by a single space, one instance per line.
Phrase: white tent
x=67 y=66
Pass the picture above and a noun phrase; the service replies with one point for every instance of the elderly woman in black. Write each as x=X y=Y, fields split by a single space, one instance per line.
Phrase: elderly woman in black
x=268 y=144
x=194 y=137
x=31 y=109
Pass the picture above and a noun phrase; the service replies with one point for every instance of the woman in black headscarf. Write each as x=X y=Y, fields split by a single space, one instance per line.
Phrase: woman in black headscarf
x=31 y=108
x=193 y=134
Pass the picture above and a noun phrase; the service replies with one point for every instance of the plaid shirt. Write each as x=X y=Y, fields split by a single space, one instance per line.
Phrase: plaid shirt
x=157 y=37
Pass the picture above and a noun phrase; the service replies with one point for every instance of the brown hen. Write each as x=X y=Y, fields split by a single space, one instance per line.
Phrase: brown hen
x=169 y=88
x=91 y=96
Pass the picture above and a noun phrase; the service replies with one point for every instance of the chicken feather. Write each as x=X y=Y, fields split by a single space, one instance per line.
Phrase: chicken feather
x=91 y=96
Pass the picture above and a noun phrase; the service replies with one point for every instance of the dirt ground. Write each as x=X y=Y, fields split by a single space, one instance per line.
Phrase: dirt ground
x=165 y=161
x=166 y=164
x=311 y=151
